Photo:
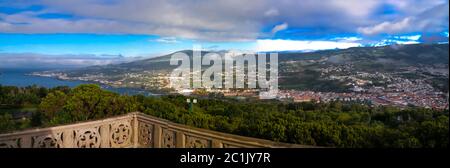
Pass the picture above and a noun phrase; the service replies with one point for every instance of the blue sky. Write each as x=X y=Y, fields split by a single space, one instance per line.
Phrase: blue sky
x=148 y=28
x=101 y=44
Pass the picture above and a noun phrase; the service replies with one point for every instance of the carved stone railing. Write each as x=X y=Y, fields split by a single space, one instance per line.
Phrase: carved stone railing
x=134 y=130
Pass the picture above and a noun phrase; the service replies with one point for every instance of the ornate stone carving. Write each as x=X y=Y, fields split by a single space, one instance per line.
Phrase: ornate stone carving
x=133 y=130
x=168 y=139
x=145 y=134
x=87 y=138
x=10 y=143
x=120 y=134
x=195 y=142
x=48 y=141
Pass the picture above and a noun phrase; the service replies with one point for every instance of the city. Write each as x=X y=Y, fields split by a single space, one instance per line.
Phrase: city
x=407 y=85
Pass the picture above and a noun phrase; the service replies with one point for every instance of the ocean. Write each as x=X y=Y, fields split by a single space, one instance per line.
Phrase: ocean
x=19 y=78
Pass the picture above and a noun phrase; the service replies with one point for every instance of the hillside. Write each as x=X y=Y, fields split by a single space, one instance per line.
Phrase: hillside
x=330 y=70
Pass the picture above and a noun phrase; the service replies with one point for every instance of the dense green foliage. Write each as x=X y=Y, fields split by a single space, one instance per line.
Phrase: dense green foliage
x=325 y=124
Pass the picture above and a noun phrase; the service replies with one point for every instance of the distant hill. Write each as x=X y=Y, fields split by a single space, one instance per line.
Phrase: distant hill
x=161 y=63
x=413 y=53
x=305 y=72
x=299 y=70
x=402 y=54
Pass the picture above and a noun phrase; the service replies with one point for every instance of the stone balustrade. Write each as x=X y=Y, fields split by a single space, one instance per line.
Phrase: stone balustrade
x=133 y=130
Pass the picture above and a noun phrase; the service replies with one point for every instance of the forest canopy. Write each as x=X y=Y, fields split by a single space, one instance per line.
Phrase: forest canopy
x=334 y=124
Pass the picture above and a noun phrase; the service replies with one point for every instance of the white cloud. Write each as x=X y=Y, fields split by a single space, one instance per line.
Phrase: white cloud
x=347 y=39
x=13 y=60
x=387 y=27
x=291 y=45
x=414 y=7
x=408 y=42
x=429 y=20
x=356 y=8
x=411 y=38
x=170 y=40
x=221 y=20
x=279 y=27
x=394 y=41
x=271 y=12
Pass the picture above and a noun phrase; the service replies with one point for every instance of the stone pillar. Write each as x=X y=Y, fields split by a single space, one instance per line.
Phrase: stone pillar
x=68 y=139
x=26 y=142
x=135 y=131
x=104 y=136
x=157 y=136
x=180 y=140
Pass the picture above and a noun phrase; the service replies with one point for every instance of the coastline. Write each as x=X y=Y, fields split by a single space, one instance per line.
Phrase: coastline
x=23 y=78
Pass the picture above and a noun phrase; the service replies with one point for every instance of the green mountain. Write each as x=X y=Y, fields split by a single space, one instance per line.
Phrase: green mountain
x=305 y=71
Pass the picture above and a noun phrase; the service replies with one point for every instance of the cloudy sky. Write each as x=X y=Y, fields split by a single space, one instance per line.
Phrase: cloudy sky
x=142 y=27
